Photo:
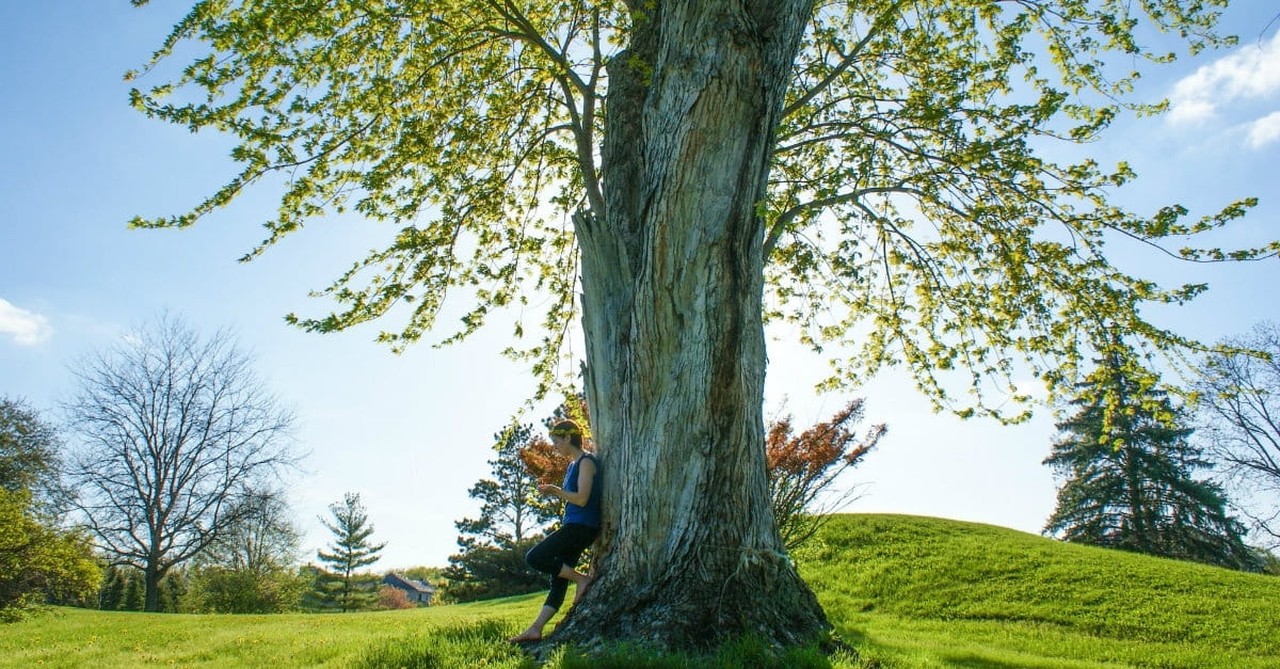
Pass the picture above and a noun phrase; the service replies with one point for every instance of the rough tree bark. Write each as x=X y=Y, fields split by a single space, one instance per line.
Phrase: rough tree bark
x=672 y=275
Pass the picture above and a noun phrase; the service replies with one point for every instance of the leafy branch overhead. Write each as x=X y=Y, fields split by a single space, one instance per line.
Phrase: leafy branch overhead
x=912 y=216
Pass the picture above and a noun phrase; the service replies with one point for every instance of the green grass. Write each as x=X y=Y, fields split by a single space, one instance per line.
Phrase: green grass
x=924 y=592
x=81 y=638
x=905 y=591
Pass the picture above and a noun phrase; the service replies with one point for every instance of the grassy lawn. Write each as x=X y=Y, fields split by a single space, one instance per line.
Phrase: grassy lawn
x=905 y=591
x=80 y=638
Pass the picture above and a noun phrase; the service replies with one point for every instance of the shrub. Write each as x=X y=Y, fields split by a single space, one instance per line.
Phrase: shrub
x=225 y=590
x=40 y=563
x=392 y=598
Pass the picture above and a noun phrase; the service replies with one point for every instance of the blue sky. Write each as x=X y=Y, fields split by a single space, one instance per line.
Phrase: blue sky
x=412 y=432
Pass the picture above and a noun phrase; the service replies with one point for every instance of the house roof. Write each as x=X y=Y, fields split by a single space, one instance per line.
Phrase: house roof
x=403 y=582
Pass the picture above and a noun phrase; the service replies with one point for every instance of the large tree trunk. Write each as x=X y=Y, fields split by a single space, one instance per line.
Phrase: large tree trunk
x=672 y=277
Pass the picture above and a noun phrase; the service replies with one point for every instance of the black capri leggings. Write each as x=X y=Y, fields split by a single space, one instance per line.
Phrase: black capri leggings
x=560 y=548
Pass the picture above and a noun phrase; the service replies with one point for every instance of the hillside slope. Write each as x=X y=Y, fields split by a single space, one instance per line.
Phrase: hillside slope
x=930 y=592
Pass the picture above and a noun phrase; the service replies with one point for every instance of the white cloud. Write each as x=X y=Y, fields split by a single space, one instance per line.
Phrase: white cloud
x=1191 y=112
x=27 y=328
x=1264 y=130
x=1251 y=71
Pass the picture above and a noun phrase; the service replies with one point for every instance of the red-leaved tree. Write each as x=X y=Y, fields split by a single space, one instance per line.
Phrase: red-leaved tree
x=803 y=468
x=540 y=457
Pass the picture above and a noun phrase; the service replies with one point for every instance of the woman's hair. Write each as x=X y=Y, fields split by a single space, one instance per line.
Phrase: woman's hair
x=570 y=429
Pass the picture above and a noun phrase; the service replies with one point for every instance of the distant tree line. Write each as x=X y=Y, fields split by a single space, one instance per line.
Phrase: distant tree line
x=170 y=497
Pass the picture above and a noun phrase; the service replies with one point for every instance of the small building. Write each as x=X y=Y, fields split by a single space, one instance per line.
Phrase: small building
x=418 y=592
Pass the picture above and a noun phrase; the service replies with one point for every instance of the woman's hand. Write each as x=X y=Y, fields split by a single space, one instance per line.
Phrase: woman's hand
x=553 y=490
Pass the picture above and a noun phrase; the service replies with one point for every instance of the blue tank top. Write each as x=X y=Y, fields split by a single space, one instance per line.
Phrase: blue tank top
x=589 y=513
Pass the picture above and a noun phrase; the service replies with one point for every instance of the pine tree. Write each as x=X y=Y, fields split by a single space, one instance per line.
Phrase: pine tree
x=511 y=509
x=111 y=595
x=134 y=593
x=1129 y=475
x=340 y=586
x=513 y=517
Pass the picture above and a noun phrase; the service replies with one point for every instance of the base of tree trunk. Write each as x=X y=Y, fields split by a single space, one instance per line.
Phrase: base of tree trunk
x=759 y=597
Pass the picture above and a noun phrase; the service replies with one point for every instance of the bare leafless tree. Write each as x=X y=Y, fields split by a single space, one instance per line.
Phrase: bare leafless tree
x=263 y=538
x=1240 y=410
x=173 y=430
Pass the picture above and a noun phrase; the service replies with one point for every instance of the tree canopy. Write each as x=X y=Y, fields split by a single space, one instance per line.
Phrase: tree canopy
x=31 y=456
x=679 y=173
x=911 y=217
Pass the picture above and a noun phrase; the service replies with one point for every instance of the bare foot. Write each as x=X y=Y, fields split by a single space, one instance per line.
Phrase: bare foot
x=581 y=589
x=525 y=637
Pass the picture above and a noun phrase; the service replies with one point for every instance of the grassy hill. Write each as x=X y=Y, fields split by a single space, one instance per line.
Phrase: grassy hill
x=924 y=592
x=906 y=591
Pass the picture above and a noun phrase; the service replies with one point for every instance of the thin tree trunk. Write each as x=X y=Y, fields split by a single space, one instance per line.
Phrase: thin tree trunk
x=672 y=277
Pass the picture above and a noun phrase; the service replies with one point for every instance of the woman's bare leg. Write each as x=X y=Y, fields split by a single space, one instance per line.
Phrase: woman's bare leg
x=580 y=583
x=534 y=632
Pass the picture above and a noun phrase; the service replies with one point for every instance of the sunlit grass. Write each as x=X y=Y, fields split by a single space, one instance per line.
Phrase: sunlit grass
x=80 y=638
x=904 y=591
x=924 y=592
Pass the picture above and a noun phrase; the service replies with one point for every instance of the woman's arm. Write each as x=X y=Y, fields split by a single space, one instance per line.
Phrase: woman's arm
x=586 y=476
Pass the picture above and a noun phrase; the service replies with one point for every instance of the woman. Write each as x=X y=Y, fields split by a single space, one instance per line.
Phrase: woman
x=558 y=554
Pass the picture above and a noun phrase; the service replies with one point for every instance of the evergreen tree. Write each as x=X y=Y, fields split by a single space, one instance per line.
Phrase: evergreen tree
x=134 y=593
x=1129 y=475
x=111 y=595
x=173 y=591
x=511 y=509
x=124 y=588
x=513 y=517
x=485 y=571
x=340 y=586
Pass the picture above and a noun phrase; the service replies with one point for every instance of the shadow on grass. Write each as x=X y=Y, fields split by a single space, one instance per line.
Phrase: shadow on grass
x=480 y=644
x=970 y=661
x=484 y=644
x=744 y=652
